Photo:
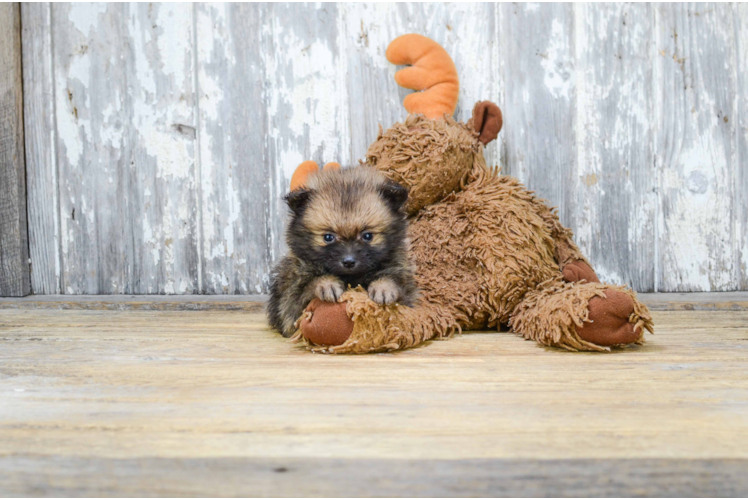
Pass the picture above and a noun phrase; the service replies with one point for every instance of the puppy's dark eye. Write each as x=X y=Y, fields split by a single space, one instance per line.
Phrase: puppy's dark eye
x=328 y=237
x=367 y=236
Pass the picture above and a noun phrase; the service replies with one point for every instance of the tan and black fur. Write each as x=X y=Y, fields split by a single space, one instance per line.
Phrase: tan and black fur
x=348 y=228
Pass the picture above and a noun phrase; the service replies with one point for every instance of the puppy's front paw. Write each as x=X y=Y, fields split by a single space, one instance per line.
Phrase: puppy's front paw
x=328 y=289
x=384 y=291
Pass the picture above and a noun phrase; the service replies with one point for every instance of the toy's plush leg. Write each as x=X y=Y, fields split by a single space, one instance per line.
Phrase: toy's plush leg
x=579 y=270
x=581 y=316
x=572 y=263
x=356 y=325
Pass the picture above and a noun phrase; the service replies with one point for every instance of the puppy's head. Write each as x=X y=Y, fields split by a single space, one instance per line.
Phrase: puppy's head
x=349 y=221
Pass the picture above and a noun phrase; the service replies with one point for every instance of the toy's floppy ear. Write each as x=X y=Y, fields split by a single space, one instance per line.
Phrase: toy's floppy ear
x=307 y=168
x=395 y=194
x=300 y=194
x=487 y=121
x=302 y=172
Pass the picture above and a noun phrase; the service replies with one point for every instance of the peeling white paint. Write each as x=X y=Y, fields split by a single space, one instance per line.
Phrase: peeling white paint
x=559 y=71
x=175 y=42
x=306 y=85
x=234 y=208
x=696 y=152
x=85 y=16
x=609 y=275
x=327 y=85
x=588 y=160
x=699 y=226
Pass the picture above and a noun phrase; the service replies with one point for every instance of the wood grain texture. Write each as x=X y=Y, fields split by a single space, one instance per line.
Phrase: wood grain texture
x=14 y=249
x=174 y=130
x=249 y=303
x=98 y=400
x=163 y=207
x=306 y=100
x=331 y=477
x=39 y=131
x=741 y=124
x=236 y=175
x=271 y=97
x=689 y=301
x=695 y=146
x=93 y=154
x=615 y=55
x=126 y=156
x=538 y=61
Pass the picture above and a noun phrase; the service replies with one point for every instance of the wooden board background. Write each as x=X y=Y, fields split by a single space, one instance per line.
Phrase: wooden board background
x=160 y=138
x=14 y=248
x=131 y=403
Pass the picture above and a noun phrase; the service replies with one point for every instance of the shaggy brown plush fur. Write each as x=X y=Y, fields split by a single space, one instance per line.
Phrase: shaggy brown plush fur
x=551 y=313
x=388 y=328
x=488 y=253
x=426 y=156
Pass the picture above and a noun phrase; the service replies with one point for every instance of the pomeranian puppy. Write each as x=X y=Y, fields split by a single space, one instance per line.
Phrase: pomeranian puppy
x=347 y=228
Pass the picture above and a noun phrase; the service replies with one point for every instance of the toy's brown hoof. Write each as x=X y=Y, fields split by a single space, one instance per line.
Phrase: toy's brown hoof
x=329 y=324
x=610 y=320
x=579 y=270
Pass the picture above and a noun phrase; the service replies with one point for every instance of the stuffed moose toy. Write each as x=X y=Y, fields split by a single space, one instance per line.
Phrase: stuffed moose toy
x=488 y=253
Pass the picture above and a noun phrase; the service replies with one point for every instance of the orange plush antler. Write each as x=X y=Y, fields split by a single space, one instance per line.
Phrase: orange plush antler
x=307 y=168
x=432 y=71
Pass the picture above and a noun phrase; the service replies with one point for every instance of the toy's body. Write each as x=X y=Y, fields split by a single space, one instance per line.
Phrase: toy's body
x=488 y=253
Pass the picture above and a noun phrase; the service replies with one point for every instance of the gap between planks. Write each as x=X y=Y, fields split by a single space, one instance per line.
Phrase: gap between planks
x=706 y=301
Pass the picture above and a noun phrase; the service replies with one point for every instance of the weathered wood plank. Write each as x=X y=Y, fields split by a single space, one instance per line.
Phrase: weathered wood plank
x=39 y=132
x=138 y=391
x=696 y=108
x=236 y=175
x=126 y=125
x=585 y=108
x=14 y=249
x=690 y=301
x=306 y=99
x=163 y=207
x=92 y=151
x=248 y=303
x=741 y=160
x=538 y=61
x=335 y=477
x=270 y=98
x=468 y=32
x=615 y=187
x=696 y=301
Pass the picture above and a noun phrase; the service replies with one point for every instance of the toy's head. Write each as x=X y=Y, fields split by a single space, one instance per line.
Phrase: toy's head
x=430 y=153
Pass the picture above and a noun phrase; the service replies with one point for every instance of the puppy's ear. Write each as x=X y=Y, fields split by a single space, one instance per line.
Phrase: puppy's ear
x=298 y=199
x=394 y=194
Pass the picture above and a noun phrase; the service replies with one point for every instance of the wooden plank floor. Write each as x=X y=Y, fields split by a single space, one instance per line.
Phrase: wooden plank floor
x=142 y=403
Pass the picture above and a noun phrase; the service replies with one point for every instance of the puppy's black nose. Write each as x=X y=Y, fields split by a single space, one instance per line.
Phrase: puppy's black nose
x=348 y=262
